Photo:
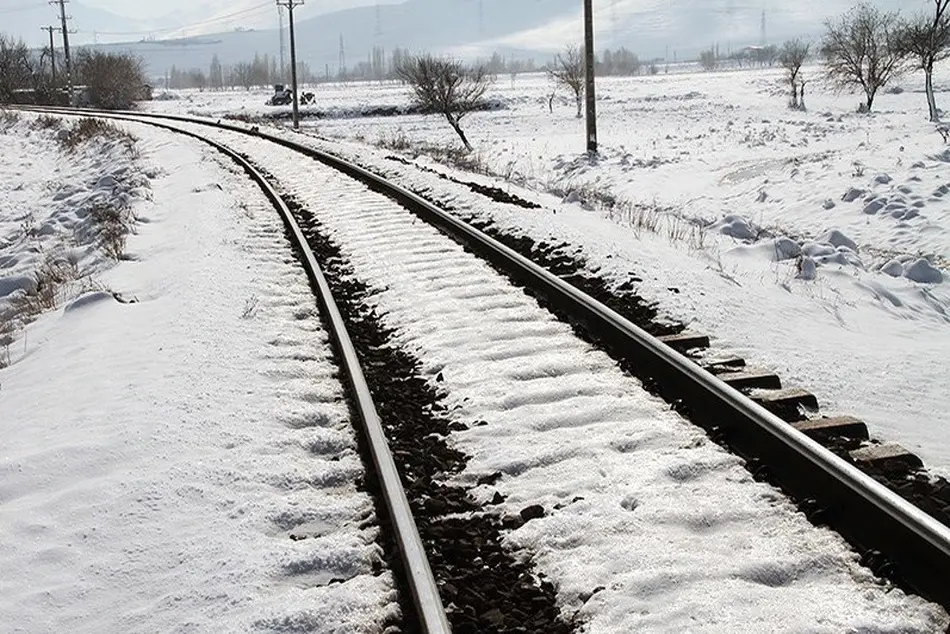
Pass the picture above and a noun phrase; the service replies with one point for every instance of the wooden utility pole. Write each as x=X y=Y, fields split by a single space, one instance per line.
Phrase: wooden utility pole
x=283 y=48
x=52 y=52
x=65 y=30
x=290 y=4
x=589 y=62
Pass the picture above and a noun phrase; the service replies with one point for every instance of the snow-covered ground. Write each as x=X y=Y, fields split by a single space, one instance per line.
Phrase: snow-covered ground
x=813 y=243
x=648 y=526
x=158 y=455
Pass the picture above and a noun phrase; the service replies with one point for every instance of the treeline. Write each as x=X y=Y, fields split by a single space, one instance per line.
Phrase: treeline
x=25 y=69
x=33 y=76
x=751 y=56
x=265 y=70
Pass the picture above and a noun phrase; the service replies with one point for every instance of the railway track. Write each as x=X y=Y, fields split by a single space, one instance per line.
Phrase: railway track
x=743 y=409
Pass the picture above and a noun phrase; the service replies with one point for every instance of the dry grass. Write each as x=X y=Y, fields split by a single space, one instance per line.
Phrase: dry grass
x=7 y=330
x=452 y=155
x=8 y=119
x=47 y=122
x=87 y=129
x=114 y=223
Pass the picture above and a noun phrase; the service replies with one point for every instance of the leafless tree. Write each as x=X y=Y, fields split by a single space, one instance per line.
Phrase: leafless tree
x=568 y=70
x=925 y=39
x=861 y=49
x=709 y=60
x=445 y=86
x=114 y=81
x=792 y=56
x=16 y=67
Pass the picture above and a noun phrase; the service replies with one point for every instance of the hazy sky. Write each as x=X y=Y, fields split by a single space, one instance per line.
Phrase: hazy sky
x=145 y=9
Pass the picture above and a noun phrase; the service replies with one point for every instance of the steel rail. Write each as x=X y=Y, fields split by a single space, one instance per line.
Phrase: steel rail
x=918 y=544
x=426 y=598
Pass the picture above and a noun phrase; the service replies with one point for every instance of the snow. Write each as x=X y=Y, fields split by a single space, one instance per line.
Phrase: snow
x=158 y=454
x=861 y=319
x=638 y=503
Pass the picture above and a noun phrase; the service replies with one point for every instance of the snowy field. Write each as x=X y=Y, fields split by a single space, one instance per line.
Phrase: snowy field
x=812 y=243
x=159 y=452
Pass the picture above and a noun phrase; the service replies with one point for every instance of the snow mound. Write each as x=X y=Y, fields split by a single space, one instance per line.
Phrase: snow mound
x=853 y=194
x=89 y=299
x=736 y=226
x=836 y=238
x=828 y=204
x=786 y=249
x=894 y=268
x=807 y=269
x=817 y=249
x=14 y=283
x=924 y=272
x=875 y=205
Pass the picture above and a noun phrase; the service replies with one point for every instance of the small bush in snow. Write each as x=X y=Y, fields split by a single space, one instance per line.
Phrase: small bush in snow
x=452 y=155
x=46 y=122
x=88 y=128
x=114 y=224
x=8 y=119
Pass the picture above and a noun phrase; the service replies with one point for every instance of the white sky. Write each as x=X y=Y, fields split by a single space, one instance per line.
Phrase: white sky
x=146 y=9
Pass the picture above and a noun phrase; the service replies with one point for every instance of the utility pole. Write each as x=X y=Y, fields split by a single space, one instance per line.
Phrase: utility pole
x=52 y=51
x=290 y=4
x=65 y=30
x=589 y=62
x=283 y=58
x=342 y=61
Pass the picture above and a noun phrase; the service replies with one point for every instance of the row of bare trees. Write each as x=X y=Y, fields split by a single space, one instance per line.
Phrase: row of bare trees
x=112 y=81
x=867 y=48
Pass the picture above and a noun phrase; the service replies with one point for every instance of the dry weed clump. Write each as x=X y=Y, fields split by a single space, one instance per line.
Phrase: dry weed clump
x=114 y=223
x=87 y=129
x=47 y=122
x=451 y=155
x=8 y=119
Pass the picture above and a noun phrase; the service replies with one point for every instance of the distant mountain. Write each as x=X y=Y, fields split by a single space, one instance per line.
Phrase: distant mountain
x=23 y=21
x=524 y=28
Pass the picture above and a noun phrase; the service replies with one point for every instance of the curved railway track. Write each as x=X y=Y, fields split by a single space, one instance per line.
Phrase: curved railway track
x=898 y=539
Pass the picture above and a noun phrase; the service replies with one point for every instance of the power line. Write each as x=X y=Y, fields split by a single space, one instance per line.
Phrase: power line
x=22 y=7
x=260 y=8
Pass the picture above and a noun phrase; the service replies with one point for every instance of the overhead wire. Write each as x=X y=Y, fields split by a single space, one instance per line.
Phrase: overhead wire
x=260 y=8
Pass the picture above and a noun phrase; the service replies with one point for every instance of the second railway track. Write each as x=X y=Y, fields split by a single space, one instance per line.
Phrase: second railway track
x=534 y=352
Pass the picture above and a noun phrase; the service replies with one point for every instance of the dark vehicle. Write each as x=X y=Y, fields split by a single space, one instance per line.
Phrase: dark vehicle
x=283 y=96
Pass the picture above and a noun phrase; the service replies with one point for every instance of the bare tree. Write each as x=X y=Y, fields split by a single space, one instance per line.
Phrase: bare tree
x=925 y=39
x=709 y=60
x=446 y=87
x=114 y=81
x=792 y=56
x=16 y=67
x=860 y=49
x=568 y=70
